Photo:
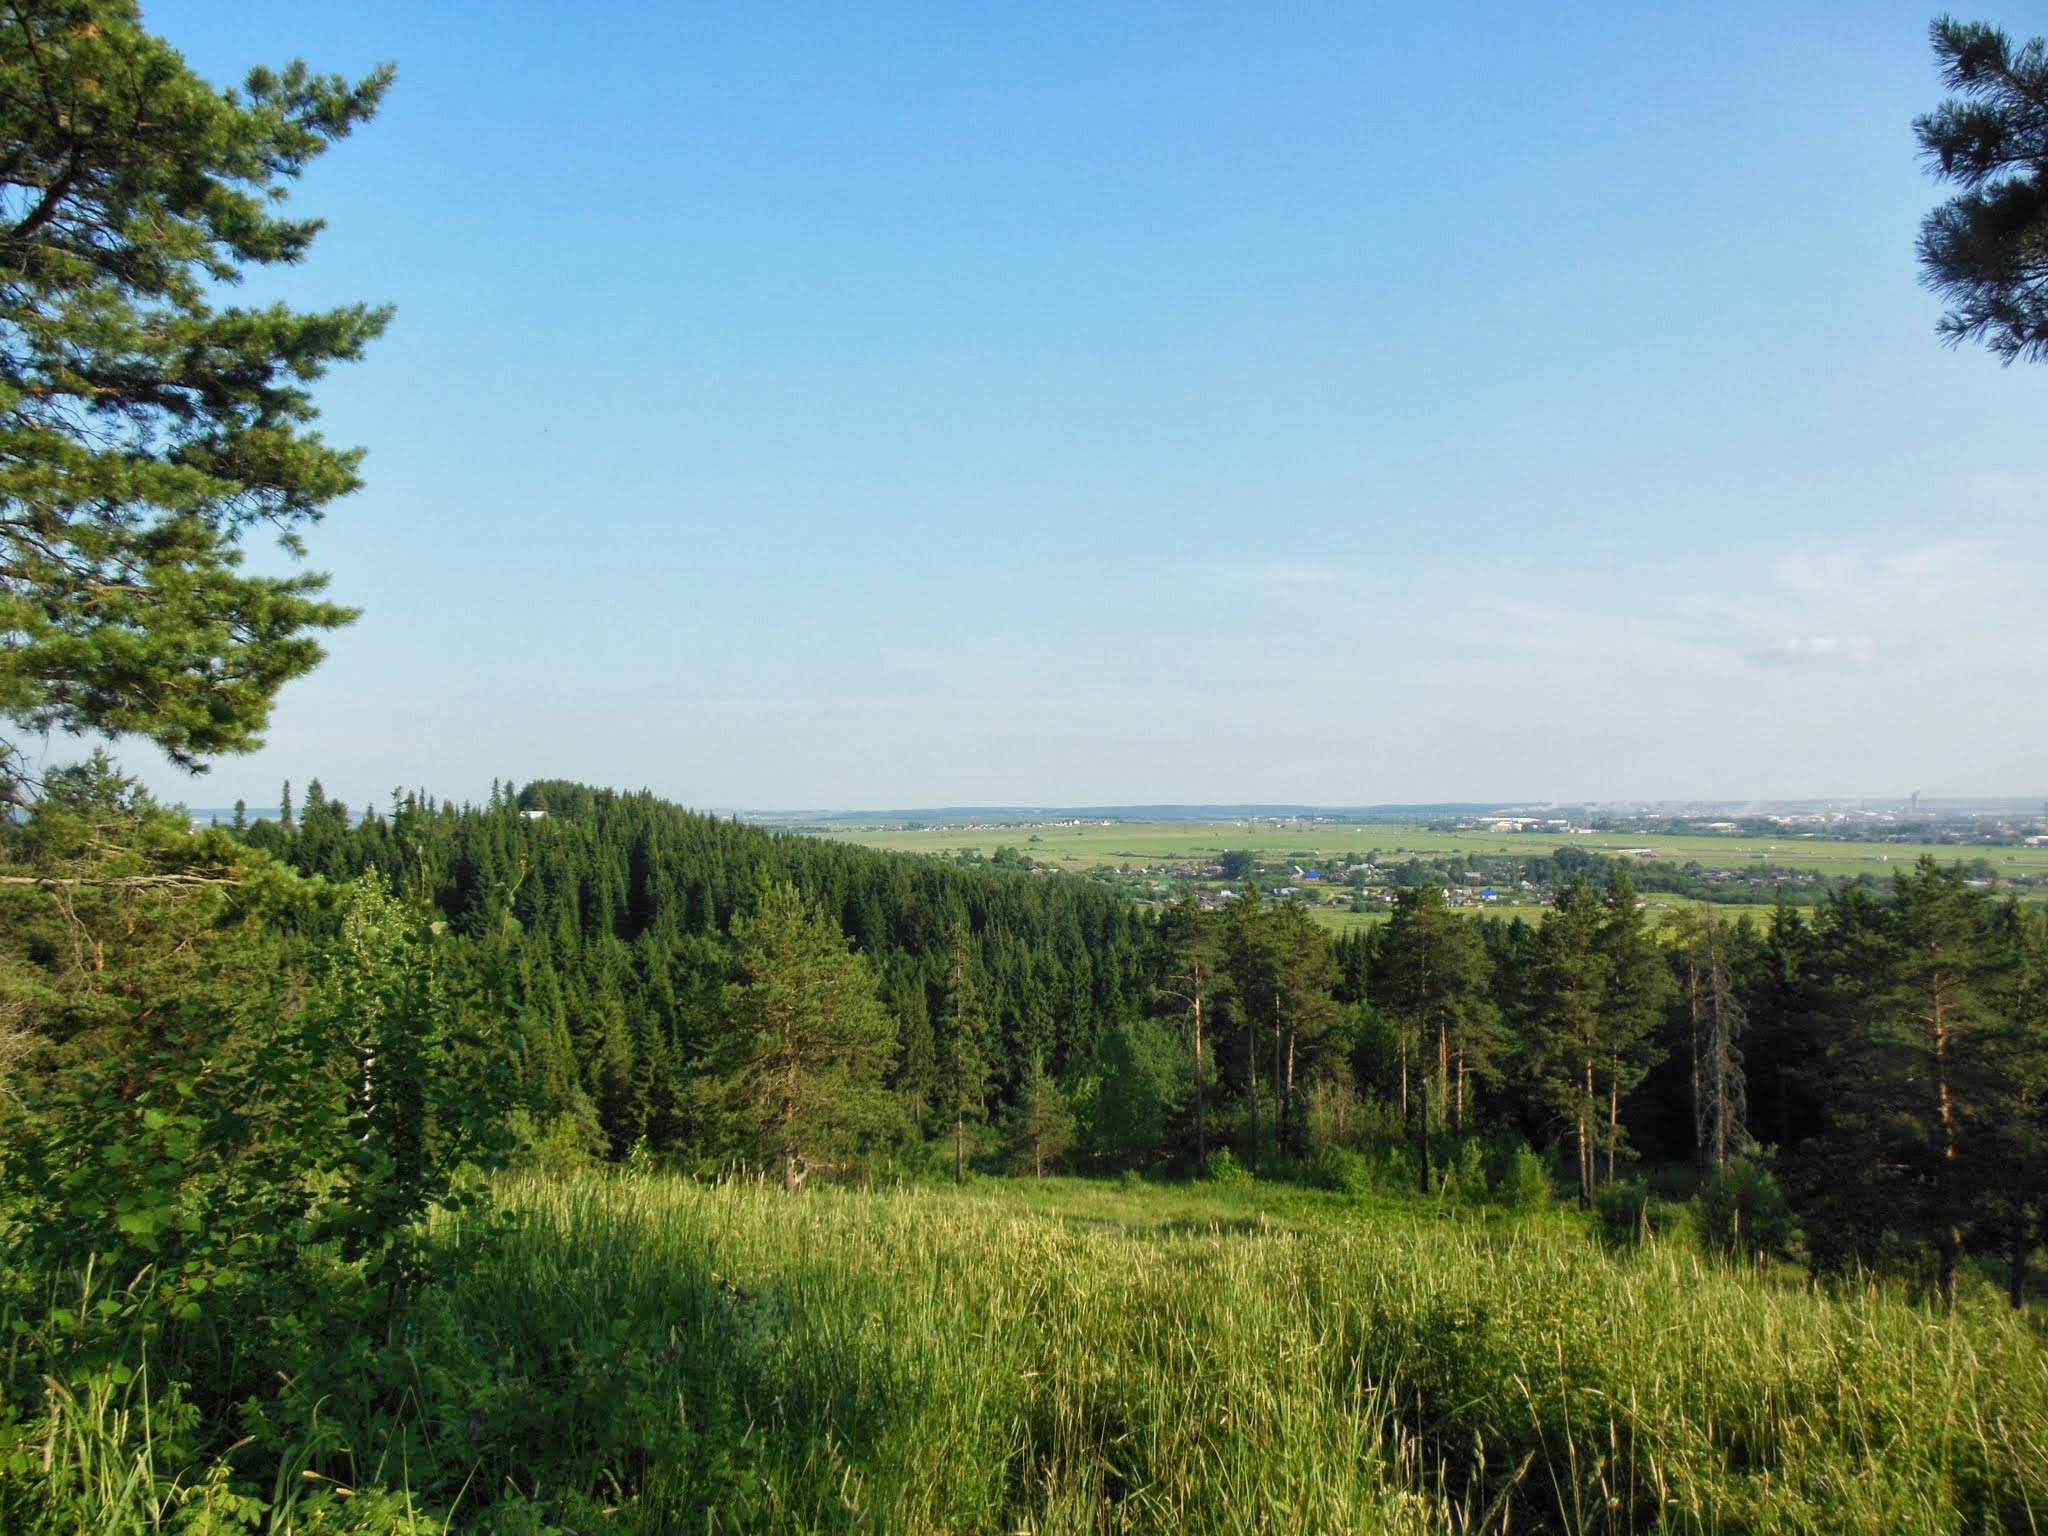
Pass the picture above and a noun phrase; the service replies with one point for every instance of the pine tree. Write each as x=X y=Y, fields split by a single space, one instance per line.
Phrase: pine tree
x=1986 y=249
x=1187 y=960
x=1635 y=985
x=1431 y=983
x=806 y=1042
x=143 y=430
x=1922 y=986
x=1717 y=1017
x=1568 y=983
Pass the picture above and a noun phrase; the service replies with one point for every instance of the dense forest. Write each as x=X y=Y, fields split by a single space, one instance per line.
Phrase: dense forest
x=1888 y=1051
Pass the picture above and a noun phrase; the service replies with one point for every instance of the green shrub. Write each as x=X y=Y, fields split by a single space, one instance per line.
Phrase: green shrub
x=1465 y=1177
x=1524 y=1183
x=1340 y=1169
x=1224 y=1168
x=1743 y=1212
x=1621 y=1212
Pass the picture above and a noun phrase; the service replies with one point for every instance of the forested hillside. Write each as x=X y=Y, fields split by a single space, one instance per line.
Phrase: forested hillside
x=1888 y=1050
x=595 y=917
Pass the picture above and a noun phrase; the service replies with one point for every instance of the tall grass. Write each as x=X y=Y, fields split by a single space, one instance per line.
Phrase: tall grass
x=1082 y=1358
x=633 y=1352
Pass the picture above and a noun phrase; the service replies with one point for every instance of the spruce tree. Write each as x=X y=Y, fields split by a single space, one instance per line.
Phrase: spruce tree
x=1042 y=1126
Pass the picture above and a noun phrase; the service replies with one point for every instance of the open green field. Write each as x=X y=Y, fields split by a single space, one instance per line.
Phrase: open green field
x=1081 y=1356
x=1156 y=843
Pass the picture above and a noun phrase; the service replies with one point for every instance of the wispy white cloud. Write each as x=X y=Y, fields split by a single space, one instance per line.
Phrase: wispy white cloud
x=1815 y=651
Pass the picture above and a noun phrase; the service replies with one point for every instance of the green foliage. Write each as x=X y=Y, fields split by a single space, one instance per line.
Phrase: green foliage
x=145 y=430
x=1621 y=1212
x=1224 y=1168
x=1042 y=1126
x=1022 y=1357
x=1340 y=1169
x=1140 y=1073
x=1742 y=1211
x=801 y=1063
x=1985 y=250
x=1524 y=1184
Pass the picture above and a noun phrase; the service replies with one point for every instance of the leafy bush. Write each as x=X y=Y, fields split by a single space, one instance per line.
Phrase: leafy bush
x=1224 y=1168
x=1524 y=1184
x=1340 y=1169
x=1465 y=1176
x=1621 y=1212
x=1743 y=1212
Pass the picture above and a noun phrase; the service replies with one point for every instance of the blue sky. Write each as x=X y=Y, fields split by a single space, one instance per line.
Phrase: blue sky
x=918 y=404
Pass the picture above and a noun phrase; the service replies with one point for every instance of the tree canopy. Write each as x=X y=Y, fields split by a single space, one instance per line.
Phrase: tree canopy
x=1985 y=250
x=145 y=429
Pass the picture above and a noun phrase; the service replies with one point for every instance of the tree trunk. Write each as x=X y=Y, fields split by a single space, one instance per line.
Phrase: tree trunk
x=1458 y=1115
x=1289 y=1117
x=1700 y=1136
x=959 y=1149
x=1279 y=1086
x=1251 y=1064
x=1613 y=1121
x=1422 y=1135
x=1443 y=1069
x=1585 y=1132
x=2022 y=1250
x=1201 y=1130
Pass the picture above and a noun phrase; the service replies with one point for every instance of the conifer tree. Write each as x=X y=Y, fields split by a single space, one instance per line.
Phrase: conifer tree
x=963 y=1047
x=806 y=1041
x=1568 y=983
x=1985 y=250
x=1431 y=982
x=1634 y=987
x=1042 y=1126
x=144 y=429
x=1188 y=955
x=1922 y=986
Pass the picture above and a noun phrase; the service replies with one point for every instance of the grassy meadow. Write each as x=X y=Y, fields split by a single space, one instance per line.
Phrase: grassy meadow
x=637 y=1352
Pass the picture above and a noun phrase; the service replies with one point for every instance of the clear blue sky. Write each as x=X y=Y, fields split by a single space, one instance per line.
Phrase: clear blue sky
x=918 y=404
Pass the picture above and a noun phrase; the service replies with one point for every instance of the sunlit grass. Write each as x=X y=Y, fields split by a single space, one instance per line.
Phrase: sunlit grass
x=1080 y=1356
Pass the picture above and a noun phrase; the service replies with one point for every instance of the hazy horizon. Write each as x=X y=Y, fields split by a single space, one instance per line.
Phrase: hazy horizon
x=790 y=406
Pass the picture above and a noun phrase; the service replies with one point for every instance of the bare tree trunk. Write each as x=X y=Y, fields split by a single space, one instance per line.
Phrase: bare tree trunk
x=1950 y=1240
x=1701 y=1132
x=1422 y=1135
x=1613 y=1121
x=1279 y=1086
x=1289 y=1116
x=1251 y=1073
x=1585 y=1129
x=1443 y=1068
x=1458 y=1117
x=1201 y=1130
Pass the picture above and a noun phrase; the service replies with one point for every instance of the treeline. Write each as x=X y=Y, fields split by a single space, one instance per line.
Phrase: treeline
x=601 y=924
x=1889 y=1048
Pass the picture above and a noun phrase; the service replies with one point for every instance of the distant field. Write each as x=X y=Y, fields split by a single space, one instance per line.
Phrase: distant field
x=1150 y=844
